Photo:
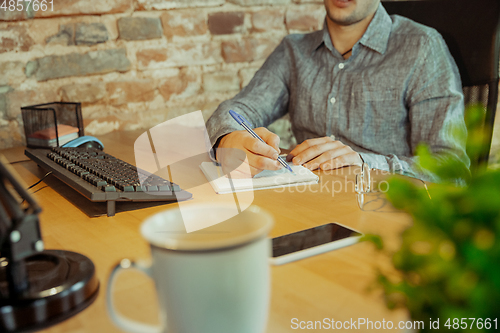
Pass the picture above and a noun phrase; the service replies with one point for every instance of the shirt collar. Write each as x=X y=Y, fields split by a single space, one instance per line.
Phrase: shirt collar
x=322 y=37
x=375 y=37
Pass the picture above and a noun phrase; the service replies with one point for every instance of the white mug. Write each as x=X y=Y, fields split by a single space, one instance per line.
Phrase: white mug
x=214 y=280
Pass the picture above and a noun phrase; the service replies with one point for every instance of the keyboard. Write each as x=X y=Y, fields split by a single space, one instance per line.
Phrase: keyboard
x=101 y=177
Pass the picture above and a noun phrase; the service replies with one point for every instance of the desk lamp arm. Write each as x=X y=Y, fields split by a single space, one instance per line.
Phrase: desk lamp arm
x=20 y=235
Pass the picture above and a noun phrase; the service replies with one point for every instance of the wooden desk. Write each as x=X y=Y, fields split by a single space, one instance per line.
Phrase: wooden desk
x=333 y=285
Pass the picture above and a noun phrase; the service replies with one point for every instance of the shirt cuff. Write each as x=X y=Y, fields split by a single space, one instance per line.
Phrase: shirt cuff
x=375 y=161
x=213 y=151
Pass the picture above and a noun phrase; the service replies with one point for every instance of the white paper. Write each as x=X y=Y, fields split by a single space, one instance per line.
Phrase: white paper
x=265 y=180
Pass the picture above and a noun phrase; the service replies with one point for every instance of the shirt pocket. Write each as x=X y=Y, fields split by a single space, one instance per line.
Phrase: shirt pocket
x=376 y=115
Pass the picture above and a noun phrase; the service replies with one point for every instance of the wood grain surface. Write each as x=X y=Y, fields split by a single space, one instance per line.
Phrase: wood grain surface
x=337 y=285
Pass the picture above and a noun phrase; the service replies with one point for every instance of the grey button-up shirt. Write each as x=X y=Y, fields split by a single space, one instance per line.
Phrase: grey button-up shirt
x=399 y=88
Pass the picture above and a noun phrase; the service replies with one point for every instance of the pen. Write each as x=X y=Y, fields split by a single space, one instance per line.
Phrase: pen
x=246 y=125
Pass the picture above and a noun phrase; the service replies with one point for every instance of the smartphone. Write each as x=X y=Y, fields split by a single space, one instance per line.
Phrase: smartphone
x=310 y=242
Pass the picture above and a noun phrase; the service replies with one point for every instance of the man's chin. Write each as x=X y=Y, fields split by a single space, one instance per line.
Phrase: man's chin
x=342 y=20
x=341 y=15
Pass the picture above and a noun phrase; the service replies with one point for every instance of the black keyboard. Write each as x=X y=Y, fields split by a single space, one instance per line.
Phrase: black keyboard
x=102 y=177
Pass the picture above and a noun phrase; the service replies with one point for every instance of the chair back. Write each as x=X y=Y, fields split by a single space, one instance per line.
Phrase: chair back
x=471 y=29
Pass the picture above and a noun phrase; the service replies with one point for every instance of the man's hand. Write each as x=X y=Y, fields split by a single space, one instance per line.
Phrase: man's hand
x=324 y=153
x=260 y=156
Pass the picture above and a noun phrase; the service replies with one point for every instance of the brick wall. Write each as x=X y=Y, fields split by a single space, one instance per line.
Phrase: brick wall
x=136 y=63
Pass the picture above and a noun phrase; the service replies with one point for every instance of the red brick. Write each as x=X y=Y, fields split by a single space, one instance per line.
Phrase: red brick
x=145 y=57
x=240 y=50
x=171 y=4
x=130 y=92
x=78 y=7
x=268 y=19
x=224 y=23
x=184 y=23
x=15 y=38
x=248 y=49
x=305 y=18
x=178 y=85
x=176 y=55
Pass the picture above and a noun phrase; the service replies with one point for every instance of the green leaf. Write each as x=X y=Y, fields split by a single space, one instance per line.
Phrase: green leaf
x=449 y=259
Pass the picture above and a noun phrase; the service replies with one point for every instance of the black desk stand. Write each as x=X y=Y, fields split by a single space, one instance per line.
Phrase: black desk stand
x=37 y=288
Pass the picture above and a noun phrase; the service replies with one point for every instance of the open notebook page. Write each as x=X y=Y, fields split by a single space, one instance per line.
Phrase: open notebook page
x=264 y=180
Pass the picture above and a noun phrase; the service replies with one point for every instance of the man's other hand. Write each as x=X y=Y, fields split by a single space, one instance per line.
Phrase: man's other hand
x=259 y=155
x=324 y=153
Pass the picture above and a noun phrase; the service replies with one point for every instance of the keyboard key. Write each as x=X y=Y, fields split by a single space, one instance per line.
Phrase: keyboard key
x=101 y=183
x=128 y=188
x=109 y=173
x=109 y=188
x=164 y=188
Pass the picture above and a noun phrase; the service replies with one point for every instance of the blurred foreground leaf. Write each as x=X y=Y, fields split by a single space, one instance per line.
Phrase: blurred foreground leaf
x=450 y=258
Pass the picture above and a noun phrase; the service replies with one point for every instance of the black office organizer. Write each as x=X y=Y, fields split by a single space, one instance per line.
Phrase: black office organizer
x=41 y=116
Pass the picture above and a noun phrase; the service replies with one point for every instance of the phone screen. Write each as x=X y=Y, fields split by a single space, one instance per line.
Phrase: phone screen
x=308 y=238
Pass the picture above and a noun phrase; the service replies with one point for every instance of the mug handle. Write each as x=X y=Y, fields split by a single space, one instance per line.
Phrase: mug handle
x=119 y=320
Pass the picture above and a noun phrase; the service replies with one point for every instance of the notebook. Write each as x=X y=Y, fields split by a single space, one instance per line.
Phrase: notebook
x=47 y=137
x=51 y=142
x=50 y=132
x=267 y=179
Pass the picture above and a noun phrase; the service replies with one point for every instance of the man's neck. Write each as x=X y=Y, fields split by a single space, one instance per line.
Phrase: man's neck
x=344 y=37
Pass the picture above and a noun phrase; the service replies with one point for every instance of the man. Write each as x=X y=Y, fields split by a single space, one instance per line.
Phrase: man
x=380 y=85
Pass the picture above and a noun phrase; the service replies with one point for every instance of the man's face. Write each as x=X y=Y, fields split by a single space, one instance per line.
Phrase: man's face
x=347 y=12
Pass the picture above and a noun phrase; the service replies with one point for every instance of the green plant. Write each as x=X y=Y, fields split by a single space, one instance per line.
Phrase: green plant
x=450 y=258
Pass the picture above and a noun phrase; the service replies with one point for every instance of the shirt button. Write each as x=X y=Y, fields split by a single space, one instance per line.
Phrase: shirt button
x=333 y=100
x=341 y=65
